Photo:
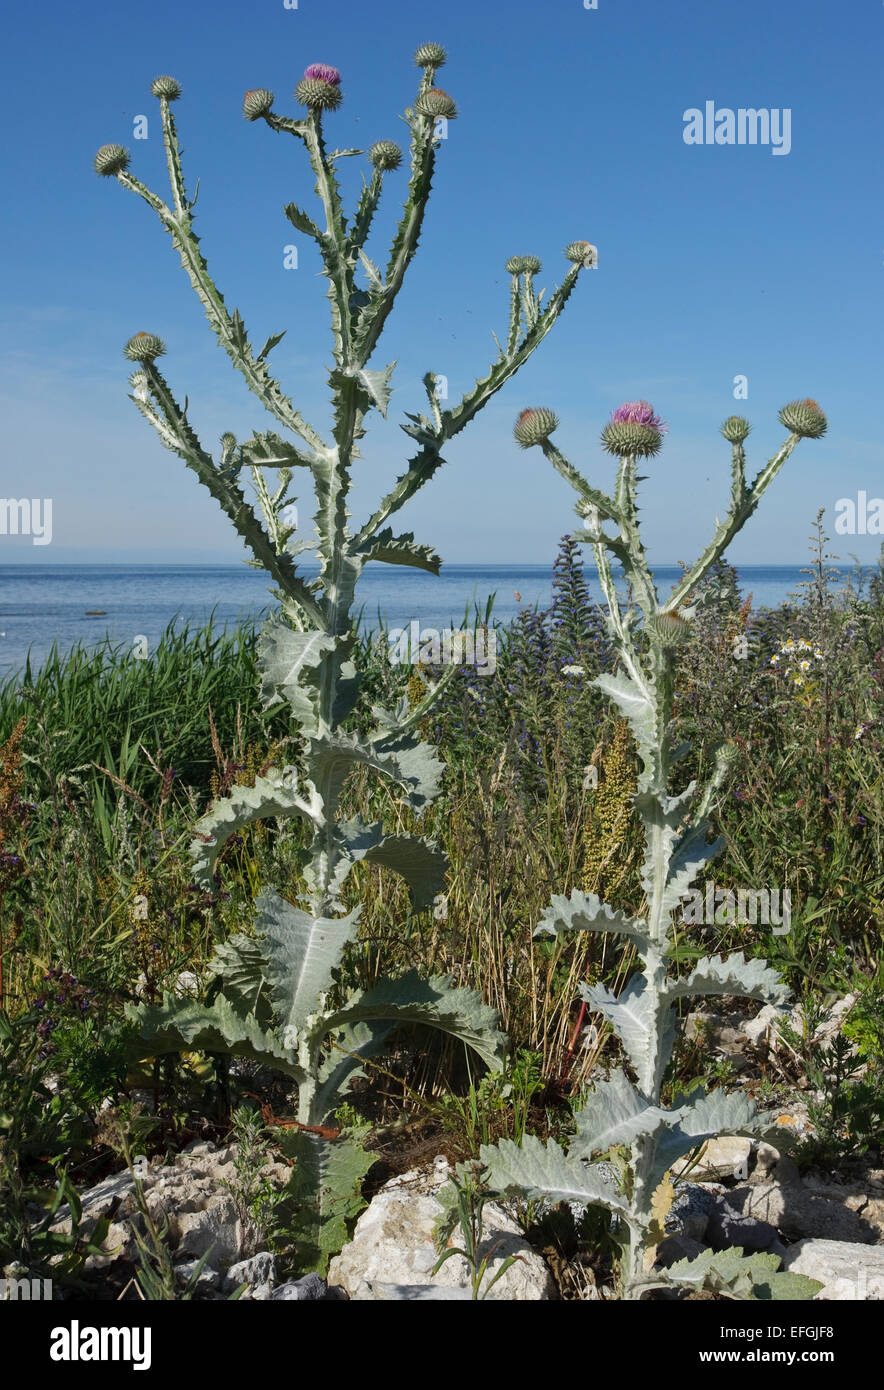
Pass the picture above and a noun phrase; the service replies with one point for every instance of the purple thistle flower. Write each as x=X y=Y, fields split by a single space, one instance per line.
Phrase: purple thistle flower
x=638 y=413
x=321 y=72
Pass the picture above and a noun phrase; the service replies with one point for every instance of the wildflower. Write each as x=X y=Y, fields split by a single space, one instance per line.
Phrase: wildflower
x=257 y=102
x=804 y=418
x=534 y=426
x=111 y=159
x=323 y=72
x=320 y=88
x=634 y=429
x=434 y=102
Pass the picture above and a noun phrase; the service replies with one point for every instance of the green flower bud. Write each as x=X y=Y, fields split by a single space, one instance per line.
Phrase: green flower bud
x=111 y=159
x=435 y=103
x=144 y=347
x=534 y=426
x=317 y=95
x=520 y=265
x=582 y=253
x=624 y=437
x=430 y=55
x=735 y=429
x=669 y=629
x=256 y=103
x=384 y=154
x=804 y=418
x=166 y=87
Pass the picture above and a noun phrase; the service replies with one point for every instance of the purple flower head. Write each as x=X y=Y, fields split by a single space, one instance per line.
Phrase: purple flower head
x=638 y=413
x=321 y=72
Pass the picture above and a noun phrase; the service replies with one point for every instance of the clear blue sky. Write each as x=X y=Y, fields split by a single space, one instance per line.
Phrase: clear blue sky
x=714 y=260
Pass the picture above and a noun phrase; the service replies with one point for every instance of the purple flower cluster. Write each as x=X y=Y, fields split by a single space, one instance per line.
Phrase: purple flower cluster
x=321 y=72
x=63 y=998
x=638 y=413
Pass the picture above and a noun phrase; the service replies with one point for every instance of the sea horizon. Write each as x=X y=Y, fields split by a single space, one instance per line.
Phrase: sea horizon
x=63 y=604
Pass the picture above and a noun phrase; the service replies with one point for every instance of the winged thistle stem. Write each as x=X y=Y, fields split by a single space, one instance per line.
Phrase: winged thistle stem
x=621 y=1112
x=287 y=972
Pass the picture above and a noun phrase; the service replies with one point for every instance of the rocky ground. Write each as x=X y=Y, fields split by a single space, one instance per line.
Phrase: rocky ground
x=828 y=1224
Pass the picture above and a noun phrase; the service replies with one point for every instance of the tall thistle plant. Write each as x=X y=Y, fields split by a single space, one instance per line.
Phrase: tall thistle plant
x=272 y=1005
x=622 y=1112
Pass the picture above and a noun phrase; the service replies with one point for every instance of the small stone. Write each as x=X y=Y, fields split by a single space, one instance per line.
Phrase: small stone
x=208 y=1277
x=848 y=1272
x=259 y=1273
x=308 y=1289
x=727 y=1157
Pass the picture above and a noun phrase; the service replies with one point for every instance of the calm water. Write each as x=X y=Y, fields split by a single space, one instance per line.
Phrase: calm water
x=42 y=604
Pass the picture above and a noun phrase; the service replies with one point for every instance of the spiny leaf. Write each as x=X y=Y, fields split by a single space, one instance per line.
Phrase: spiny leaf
x=302 y=953
x=542 y=1171
x=744 y=979
x=325 y=1188
x=401 y=550
x=186 y=1025
x=614 y=1113
x=586 y=912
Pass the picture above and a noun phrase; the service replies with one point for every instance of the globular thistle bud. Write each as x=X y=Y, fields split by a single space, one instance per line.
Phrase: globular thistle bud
x=320 y=88
x=166 y=87
x=534 y=426
x=583 y=253
x=804 y=418
x=257 y=103
x=523 y=265
x=430 y=55
x=669 y=629
x=434 y=102
x=384 y=155
x=634 y=430
x=111 y=159
x=144 y=347
x=735 y=429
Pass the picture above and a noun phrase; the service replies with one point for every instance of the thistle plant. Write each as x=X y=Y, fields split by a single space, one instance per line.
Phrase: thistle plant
x=622 y=1113
x=272 y=1004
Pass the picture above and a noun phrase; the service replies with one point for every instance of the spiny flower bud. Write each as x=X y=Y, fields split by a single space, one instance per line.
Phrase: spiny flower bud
x=522 y=265
x=320 y=88
x=804 y=418
x=256 y=103
x=634 y=430
x=384 y=154
x=434 y=102
x=582 y=253
x=166 y=87
x=669 y=629
x=111 y=159
x=144 y=347
x=735 y=429
x=534 y=426
x=430 y=55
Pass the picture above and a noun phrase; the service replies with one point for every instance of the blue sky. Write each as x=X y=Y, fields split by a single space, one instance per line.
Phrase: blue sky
x=715 y=261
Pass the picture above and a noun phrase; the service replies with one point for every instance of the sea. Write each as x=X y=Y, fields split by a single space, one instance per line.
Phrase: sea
x=42 y=606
